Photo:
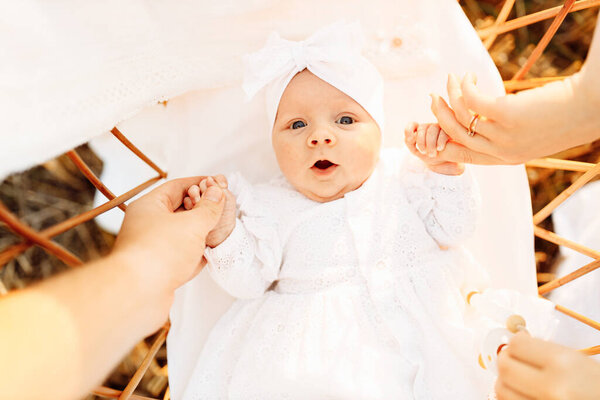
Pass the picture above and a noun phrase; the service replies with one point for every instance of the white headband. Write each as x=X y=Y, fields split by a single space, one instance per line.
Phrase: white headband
x=333 y=54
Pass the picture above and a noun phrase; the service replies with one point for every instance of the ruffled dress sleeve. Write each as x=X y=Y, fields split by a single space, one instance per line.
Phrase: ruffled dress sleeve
x=248 y=261
x=449 y=206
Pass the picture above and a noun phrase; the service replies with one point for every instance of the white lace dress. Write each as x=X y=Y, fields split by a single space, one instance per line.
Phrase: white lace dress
x=349 y=299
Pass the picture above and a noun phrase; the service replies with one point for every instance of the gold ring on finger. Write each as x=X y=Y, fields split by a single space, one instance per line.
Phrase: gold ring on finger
x=473 y=125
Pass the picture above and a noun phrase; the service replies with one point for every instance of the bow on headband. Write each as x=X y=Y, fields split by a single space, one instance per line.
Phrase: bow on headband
x=333 y=54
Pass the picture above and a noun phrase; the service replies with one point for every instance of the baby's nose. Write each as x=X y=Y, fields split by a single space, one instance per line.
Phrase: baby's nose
x=316 y=141
x=321 y=138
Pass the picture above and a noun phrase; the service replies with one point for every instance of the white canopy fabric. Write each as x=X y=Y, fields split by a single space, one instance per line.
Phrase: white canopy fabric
x=76 y=69
x=574 y=220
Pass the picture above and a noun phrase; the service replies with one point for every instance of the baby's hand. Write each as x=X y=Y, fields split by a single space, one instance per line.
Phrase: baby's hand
x=425 y=141
x=227 y=222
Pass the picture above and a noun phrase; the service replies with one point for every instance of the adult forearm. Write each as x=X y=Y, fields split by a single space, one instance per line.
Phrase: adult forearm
x=571 y=112
x=590 y=72
x=582 y=98
x=518 y=127
x=83 y=323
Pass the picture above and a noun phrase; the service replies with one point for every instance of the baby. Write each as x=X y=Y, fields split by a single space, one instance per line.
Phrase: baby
x=344 y=267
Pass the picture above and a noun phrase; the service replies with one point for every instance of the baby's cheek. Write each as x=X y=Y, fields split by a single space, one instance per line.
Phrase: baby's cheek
x=288 y=158
x=366 y=152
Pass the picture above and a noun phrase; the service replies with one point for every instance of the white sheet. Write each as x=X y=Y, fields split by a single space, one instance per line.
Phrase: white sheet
x=577 y=220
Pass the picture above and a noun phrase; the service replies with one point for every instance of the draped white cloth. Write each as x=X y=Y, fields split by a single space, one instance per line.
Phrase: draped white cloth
x=577 y=220
x=72 y=70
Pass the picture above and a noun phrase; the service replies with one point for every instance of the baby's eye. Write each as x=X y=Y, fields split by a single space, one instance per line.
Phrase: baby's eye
x=345 y=120
x=298 y=124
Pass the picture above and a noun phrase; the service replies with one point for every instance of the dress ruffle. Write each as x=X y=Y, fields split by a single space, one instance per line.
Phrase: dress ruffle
x=460 y=201
x=255 y=236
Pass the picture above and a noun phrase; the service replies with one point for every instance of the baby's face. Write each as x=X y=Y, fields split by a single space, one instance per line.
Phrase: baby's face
x=326 y=144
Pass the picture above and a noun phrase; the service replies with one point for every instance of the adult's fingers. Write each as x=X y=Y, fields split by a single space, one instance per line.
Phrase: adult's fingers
x=504 y=392
x=521 y=377
x=536 y=352
x=478 y=102
x=174 y=191
x=448 y=168
x=457 y=102
x=206 y=213
x=455 y=152
x=455 y=129
x=462 y=111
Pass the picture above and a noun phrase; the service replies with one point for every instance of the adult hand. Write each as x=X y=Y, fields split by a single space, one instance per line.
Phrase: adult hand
x=531 y=368
x=164 y=240
x=515 y=128
x=69 y=331
x=518 y=127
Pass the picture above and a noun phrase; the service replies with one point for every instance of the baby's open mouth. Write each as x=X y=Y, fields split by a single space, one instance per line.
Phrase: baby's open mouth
x=323 y=164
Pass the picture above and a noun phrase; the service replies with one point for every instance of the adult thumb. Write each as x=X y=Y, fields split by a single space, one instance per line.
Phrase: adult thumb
x=209 y=209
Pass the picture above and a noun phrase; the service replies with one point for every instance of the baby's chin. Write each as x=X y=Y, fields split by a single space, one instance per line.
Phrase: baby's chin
x=327 y=193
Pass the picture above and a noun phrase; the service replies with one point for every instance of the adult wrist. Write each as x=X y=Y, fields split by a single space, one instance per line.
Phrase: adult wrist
x=587 y=103
x=145 y=280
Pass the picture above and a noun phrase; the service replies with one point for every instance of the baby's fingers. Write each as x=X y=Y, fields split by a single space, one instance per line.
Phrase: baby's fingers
x=410 y=131
x=194 y=193
x=203 y=185
x=442 y=140
x=421 y=138
x=221 y=181
x=431 y=138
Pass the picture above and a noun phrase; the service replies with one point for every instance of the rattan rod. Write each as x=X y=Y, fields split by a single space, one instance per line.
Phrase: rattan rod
x=554 y=238
x=533 y=18
x=582 y=180
x=556 y=283
x=578 y=317
x=110 y=393
x=89 y=174
x=591 y=351
x=137 y=377
x=117 y=133
x=514 y=86
x=502 y=16
x=555 y=163
x=541 y=46
x=57 y=229
x=33 y=237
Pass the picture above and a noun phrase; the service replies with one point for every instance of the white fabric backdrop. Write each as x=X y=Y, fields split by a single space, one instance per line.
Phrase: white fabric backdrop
x=574 y=220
